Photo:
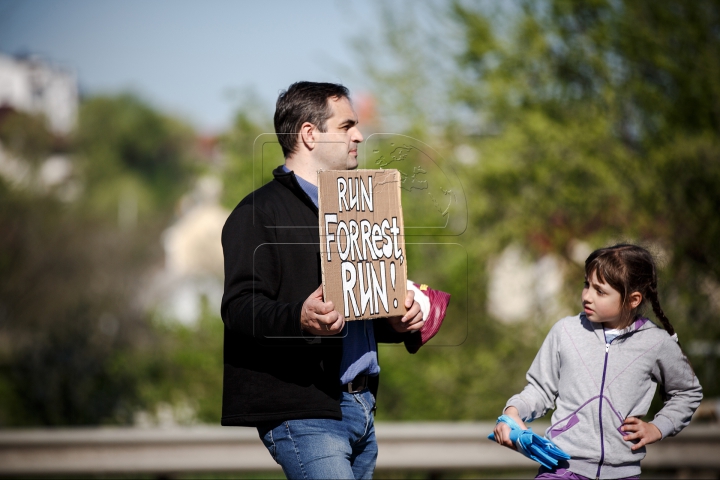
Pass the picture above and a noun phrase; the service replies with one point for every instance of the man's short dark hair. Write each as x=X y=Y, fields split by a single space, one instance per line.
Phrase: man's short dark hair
x=304 y=102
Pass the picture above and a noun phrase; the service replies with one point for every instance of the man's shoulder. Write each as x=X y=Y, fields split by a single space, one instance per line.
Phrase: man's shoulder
x=274 y=200
x=268 y=194
x=259 y=202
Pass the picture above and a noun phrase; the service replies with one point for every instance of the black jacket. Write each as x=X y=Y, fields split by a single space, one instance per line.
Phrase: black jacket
x=273 y=371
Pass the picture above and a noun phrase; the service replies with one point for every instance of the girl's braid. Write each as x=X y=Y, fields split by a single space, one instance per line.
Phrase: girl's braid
x=653 y=296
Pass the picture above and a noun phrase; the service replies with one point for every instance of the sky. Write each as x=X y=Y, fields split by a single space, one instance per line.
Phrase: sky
x=196 y=59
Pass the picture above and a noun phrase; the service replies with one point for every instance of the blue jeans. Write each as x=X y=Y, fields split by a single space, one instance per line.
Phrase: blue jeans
x=324 y=448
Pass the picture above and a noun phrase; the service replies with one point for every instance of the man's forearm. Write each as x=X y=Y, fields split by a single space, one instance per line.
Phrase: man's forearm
x=256 y=315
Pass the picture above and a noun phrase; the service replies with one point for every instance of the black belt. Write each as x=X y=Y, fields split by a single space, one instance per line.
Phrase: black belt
x=358 y=384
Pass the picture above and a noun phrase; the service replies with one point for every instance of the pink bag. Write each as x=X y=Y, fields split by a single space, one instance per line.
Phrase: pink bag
x=439 y=301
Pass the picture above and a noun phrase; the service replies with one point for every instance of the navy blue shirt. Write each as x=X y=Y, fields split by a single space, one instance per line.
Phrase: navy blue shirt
x=359 y=348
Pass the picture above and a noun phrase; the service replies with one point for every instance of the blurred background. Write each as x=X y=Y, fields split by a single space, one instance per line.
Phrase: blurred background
x=127 y=135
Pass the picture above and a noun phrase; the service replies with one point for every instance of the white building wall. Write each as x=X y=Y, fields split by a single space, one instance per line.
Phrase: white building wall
x=521 y=289
x=33 y=86
x=193 y=257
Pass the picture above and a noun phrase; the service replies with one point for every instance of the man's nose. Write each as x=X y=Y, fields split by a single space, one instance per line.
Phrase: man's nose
x=356 y=136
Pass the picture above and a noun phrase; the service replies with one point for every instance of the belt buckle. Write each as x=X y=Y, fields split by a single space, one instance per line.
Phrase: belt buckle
x=361 y=380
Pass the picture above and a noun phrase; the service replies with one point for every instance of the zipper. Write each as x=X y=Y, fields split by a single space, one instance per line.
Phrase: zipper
x=602 y=388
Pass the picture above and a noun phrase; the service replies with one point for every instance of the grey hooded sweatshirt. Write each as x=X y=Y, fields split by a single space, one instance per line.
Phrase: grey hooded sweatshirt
x=595 y=385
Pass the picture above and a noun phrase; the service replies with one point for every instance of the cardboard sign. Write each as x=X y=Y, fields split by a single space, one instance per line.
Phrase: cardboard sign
x=362 y=242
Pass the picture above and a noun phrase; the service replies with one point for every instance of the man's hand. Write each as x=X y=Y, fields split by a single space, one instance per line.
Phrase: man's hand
x=412 y=321
x=502 y=430
x=318 y=317
x=646 y=432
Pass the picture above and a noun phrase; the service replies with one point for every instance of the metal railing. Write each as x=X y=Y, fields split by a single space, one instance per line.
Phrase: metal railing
x=431 y=447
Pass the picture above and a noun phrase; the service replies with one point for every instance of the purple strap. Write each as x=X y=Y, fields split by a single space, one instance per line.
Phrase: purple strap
x=640 y=322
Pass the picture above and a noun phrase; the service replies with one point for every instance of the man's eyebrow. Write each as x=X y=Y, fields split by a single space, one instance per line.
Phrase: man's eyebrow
x=349 y=122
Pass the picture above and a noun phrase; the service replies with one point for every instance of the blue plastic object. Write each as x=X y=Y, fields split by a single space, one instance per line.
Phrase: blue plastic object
x=532 y=445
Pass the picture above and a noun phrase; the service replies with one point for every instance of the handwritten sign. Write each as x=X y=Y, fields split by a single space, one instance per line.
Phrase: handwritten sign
x=362 y=242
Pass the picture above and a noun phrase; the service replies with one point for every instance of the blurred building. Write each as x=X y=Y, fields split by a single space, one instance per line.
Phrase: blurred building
x=521 y=289
x=193 y=273
x=33 y=85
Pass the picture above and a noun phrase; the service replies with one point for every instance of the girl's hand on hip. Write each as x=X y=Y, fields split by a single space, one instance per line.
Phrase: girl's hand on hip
x=645 y=432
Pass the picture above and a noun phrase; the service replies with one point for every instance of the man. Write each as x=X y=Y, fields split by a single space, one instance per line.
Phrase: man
x=293 y=368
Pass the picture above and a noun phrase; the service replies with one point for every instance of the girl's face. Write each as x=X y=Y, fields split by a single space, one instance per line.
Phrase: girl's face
x=601 y=302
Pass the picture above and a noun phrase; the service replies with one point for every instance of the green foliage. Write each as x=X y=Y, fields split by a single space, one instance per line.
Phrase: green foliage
x=66 y=314
x=251 y=153
x=608 y=132
x=72 y=328
x=26 y=136
x=590 y=120
x=128 y=149
x=593 y=121
x=466 y=382
x=244 y=148
x=183 y=368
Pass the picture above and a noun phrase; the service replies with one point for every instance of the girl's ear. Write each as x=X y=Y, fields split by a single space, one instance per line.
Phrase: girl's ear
x=635 y=299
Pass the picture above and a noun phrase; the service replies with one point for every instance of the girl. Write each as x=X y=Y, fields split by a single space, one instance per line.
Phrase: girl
x=600 y=369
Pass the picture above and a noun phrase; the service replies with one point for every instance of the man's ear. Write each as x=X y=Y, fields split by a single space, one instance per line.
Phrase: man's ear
x=308 y=135
x=635 y=299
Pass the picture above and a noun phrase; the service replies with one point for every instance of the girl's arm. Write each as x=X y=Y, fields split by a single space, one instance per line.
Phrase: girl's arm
x=682 y=389
x=543 y=378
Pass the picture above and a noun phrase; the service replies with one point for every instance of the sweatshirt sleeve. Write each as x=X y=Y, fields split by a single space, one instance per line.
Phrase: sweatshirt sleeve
x=540 y=393
x=683 y=392
x=252 y=278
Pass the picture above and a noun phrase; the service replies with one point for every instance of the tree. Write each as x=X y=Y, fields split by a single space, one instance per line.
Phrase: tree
x=68 y=315
x=78 y=346
x=131 y=153
x=592 y=122
x=609 y=121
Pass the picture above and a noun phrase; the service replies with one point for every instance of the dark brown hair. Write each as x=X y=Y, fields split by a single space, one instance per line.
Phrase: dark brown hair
x=628 y=269
x=304 y=102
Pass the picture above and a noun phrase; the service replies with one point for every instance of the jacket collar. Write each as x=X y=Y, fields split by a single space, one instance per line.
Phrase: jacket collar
x=289 y=181
x=639 y=324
